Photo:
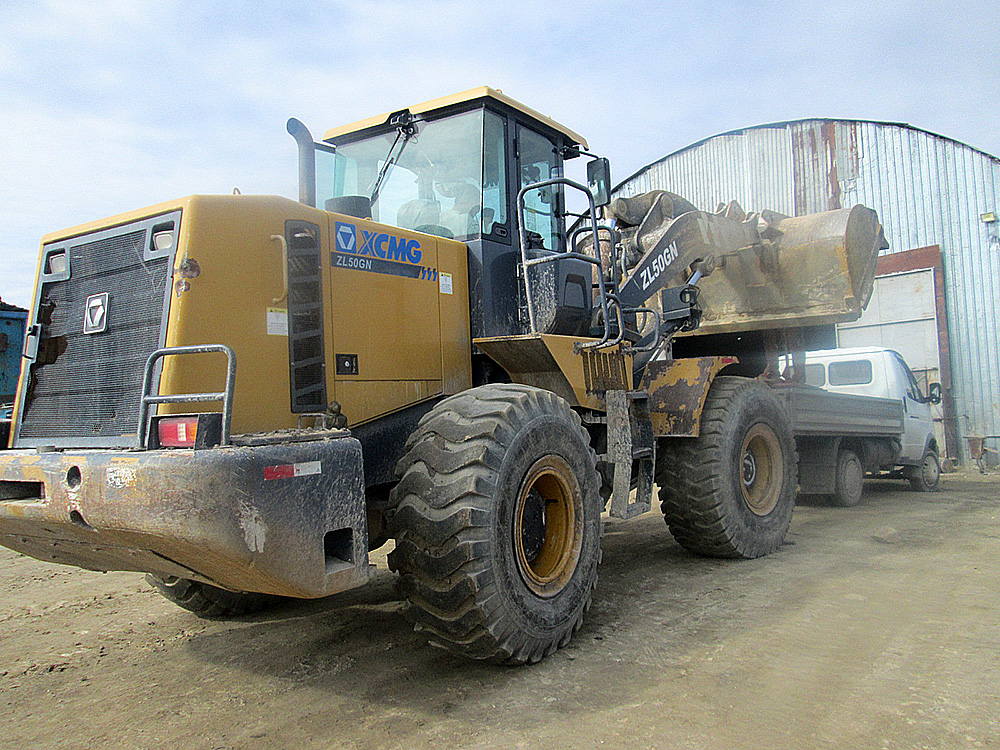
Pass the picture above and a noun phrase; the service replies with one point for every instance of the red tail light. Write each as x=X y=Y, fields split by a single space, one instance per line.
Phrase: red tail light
x=177 y=432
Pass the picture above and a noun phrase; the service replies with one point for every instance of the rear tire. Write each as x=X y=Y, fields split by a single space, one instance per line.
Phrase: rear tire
x=210 y=601
x=731 y=491
x=497 y=520
x=850 y=480
x=927 y=476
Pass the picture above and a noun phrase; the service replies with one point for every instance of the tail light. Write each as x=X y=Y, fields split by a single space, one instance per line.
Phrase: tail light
x=187 y=431
x=177 y=432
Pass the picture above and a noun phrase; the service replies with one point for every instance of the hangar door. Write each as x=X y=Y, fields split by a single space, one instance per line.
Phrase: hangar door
x=902 y=315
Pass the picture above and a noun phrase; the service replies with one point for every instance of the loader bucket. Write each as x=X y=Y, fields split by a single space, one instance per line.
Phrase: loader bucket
x=818 y=270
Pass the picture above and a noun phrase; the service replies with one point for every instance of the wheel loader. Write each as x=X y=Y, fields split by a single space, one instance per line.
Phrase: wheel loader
x=242 y=395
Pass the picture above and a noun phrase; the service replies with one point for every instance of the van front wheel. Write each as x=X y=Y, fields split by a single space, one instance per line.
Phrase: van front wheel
x=927 y=476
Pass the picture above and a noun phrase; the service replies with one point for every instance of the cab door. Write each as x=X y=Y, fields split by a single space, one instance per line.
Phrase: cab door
x=537 y=160
x=563 y=300
x=917 y=424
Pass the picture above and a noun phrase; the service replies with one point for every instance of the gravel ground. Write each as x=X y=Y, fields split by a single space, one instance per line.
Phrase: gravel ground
x=874 y=627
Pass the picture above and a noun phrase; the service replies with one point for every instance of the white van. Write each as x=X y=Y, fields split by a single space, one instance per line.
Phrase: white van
x=870 y=371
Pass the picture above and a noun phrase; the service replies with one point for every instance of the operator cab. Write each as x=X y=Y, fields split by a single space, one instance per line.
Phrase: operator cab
x=453 y=167
x=446 y=165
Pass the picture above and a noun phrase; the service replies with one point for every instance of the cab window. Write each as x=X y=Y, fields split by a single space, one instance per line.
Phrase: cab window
x=431 y=181
x=494 y=213
x=816 y=375
x=537 y=161
x=912 y=389
x=851 y=372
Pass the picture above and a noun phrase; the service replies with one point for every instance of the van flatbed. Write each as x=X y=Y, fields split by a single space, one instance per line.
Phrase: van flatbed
x=816 y=412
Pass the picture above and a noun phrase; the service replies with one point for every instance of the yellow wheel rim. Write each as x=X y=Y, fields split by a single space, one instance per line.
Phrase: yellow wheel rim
x=548 y=526
x=761 y=474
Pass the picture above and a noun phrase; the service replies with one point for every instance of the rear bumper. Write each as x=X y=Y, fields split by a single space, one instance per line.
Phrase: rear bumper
x=285 y=519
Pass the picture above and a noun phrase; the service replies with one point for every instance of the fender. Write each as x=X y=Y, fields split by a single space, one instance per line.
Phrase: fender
x=677 y=391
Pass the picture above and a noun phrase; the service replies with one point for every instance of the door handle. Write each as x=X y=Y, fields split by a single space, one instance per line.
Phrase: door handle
x=280 y=238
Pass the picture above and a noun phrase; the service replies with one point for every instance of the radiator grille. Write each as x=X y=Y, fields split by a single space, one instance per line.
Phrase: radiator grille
x=307 y=359
x=88 y=385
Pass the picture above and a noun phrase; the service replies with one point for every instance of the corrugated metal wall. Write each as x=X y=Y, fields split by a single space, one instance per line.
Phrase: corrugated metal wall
x=928 y=190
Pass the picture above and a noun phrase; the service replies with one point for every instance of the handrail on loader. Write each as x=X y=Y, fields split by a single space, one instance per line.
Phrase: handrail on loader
x=606 y=299
x=226 y=396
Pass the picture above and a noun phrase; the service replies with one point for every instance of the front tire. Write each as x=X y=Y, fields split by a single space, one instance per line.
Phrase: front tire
x=497 y=523
x=731 y=491
x=927 y=476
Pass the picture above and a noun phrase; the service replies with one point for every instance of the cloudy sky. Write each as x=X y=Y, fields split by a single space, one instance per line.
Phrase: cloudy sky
x=113 y=105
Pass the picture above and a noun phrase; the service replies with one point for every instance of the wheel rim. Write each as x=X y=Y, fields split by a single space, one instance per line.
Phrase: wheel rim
x=760 y=469
x=854 y=477
x=931 y=470
x=548 y=526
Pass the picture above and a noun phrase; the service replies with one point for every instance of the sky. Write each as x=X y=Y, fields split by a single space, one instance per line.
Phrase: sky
x=114 y=105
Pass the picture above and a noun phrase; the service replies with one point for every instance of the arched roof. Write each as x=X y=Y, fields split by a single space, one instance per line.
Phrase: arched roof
x=800 y=121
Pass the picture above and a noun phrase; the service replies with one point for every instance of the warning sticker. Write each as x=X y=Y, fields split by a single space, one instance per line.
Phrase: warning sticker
x=445 y=283
x=277 y=321
x=286 y=471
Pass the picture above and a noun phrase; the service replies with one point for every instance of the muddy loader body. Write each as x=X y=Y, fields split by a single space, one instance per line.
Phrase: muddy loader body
x=243 y=395
x=98 y=483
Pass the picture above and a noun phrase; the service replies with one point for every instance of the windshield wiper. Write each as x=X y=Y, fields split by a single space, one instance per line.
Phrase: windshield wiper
x=406 y=128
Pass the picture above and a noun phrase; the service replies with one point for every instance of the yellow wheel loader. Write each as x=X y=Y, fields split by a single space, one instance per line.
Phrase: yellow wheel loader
x=241 y=396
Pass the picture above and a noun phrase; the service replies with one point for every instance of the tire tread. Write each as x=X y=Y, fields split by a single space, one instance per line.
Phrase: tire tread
x=692 y=483
x=440 y=514
x=208 y=601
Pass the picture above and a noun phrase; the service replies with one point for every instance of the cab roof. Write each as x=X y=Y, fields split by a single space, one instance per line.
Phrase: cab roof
x=847 y=351
x=481 y=92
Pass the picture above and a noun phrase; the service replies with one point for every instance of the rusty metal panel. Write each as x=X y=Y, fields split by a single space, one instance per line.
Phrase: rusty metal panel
x=677 y=391
x=824 y=157
x=926 y=188
x=725 y=168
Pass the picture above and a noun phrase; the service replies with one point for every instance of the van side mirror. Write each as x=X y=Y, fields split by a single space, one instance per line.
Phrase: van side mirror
x=599 y=180
x=934 y=393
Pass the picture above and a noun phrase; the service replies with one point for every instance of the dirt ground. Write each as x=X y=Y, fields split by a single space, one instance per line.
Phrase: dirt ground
x=874 y=627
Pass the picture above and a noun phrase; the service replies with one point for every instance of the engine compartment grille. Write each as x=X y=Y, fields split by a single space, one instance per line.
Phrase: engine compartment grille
x=86 y=386
x=307 y=362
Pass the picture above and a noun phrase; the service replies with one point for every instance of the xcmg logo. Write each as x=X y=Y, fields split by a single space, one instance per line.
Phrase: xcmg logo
x=377 y=244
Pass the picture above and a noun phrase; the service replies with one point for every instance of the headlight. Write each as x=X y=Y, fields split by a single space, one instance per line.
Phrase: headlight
x=163 y=241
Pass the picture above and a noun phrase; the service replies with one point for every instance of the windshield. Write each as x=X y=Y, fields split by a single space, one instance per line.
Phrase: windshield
x=432 y=181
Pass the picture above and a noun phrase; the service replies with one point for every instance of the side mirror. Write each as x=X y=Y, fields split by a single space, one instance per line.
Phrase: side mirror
x=934 y=393
x=599 y=180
